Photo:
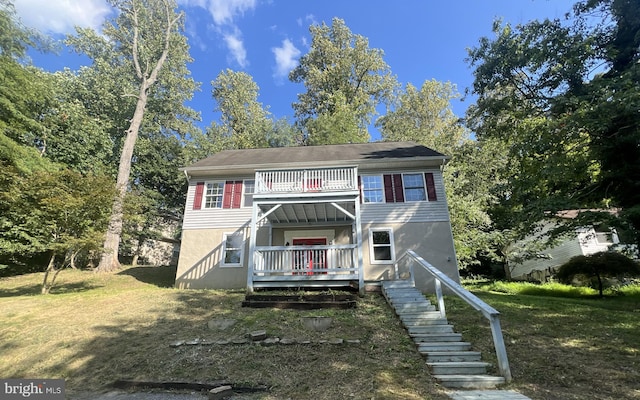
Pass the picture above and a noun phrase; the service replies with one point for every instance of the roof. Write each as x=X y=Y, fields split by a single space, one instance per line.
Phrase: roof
x=339 y=154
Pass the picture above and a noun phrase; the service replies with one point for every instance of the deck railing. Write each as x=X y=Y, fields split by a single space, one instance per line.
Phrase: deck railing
x=306 y=180
x=404 y=269
x=307 y=261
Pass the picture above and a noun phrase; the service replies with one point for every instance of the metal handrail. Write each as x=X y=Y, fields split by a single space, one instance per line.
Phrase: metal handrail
x=489 y=312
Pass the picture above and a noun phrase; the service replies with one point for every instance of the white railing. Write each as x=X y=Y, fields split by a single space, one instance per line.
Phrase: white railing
x=306 y=180
x=305 y=260
x=441 y=279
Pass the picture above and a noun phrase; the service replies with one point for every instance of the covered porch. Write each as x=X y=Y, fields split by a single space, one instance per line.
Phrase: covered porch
x=299 y=207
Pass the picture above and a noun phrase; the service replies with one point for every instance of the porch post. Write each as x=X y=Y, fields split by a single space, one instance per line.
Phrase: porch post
x=252 y=246
x=358 y=225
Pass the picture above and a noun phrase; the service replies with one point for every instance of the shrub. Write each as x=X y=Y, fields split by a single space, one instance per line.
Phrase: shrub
x=597 y=266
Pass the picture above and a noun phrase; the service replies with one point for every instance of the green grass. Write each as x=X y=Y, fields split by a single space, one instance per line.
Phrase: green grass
x=95 y=329
x=562 y=342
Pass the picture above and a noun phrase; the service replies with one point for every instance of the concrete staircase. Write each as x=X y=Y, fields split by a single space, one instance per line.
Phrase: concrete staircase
x=450 y=359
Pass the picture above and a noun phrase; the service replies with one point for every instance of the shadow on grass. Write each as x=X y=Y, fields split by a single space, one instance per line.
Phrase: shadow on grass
x=137 y=348
x=35 y=289
x=163 y=276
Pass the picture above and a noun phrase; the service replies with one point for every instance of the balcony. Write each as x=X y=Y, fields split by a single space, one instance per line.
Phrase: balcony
x=305 y=265
x=304 y=181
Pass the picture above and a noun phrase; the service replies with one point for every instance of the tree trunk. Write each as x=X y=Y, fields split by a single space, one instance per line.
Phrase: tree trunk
x=45 y=286
x=109 y=259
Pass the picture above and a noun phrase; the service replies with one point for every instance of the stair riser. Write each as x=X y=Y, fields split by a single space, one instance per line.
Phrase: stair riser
x=470 y=358
x=424 y=322
x=444 y=346
x=453 y=337
x=458 y=370
x=419 y=316
x=426 y=330
x=469 y=382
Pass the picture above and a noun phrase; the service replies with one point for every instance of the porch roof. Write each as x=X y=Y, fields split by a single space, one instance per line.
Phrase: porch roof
x=361 y=154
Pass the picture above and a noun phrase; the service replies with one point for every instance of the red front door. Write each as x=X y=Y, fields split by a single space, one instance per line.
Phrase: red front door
x=309 y=261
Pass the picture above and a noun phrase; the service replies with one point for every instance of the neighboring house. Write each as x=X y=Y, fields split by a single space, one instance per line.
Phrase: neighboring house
x=323 y=216
x=539 y=265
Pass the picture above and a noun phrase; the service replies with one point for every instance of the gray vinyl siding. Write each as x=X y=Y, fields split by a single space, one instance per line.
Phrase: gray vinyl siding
x=207 y=218
x=551 y=258
x=423 y=211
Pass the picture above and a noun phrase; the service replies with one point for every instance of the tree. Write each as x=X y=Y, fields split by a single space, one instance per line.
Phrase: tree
x=562 y=95
x=598 y=266
x=46 y=208
x=146 y=48
x=345 y=81
x=244 y=121
x=425 y=116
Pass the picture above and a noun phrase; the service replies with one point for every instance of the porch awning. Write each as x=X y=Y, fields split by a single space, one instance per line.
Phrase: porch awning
x=301 y=213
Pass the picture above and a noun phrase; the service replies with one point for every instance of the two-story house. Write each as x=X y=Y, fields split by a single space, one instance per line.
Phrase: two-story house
x=314 y=216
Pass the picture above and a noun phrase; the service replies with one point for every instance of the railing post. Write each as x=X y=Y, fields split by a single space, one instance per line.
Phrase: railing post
x=501 y=351
x=443 y=312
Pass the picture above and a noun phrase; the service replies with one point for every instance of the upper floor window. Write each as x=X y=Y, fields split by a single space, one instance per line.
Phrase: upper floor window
x=414 y=187
x=372 y=189
x=249 y=190
x=213 y=195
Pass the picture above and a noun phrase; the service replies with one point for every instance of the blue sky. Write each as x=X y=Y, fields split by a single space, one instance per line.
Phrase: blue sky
x=421 y=39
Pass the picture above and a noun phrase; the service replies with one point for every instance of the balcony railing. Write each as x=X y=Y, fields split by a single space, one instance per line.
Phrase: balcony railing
x=306 y=180
x=305 y=262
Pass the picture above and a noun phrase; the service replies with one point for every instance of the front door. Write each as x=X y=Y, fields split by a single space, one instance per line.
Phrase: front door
x=309 y=261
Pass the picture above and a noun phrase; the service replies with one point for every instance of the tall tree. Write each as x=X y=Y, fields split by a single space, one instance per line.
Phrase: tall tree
x=345 y=81
x=243 y=119
x=425 y=116
x=146 y=47
x=563 y=96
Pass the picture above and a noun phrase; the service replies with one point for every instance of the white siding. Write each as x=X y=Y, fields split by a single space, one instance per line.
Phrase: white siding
x=422 y=211
x=207 y=218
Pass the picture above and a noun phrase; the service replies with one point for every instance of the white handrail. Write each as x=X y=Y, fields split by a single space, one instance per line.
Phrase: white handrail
x=489 y=312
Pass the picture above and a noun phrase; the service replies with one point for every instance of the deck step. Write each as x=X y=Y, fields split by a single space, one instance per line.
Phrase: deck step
x=426 y=329
x=458 y=367
x=450 y=360
x=470 y=381
x=411 y=308
x=411 y=323
x=436 y=337
x=427 y=347
x=453 y=356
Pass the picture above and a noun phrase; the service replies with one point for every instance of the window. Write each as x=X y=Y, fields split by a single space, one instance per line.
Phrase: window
x=381 y=246
x=414 y=187
x=233 y=244
x=249 y=189
x=213 y=195
x=372 y=189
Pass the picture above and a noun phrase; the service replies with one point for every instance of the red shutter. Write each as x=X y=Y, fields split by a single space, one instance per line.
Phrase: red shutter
x=197 y=200
x=431 y=187
x=227 y=194
x=397 y=186
x=237 y=194
x=388 y=188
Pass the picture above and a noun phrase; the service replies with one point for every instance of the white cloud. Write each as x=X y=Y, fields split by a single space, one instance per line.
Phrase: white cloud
x=225 y=11
x=286 y=58
x=236 y=47
x=224 y=14
x=61 y=16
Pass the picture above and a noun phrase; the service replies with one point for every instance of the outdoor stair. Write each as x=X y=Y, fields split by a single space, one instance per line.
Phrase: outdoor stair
x=451 y=360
